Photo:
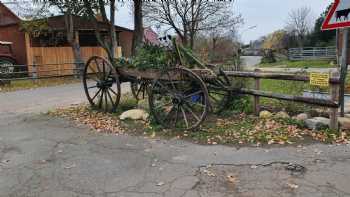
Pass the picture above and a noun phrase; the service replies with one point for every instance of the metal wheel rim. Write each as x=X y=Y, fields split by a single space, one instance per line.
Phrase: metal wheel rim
x=219 y=98
x=172 y=101
x=101 y=84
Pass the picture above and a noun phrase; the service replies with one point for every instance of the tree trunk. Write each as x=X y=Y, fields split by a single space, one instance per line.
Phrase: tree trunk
x=73 y=40
x=112 y=30
x=192 y=36
x=138 y=24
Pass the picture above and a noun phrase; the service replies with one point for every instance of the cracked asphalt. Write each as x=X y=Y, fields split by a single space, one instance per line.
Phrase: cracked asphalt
x=45 y=156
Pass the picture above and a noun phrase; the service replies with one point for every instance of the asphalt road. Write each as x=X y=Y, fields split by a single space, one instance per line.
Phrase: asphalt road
x=250 y=62
x=45 y=156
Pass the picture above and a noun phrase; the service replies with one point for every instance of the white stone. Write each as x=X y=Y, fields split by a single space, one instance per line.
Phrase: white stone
x=317 y=123
x=265 y=114
x=344 y=122
x=134 y=114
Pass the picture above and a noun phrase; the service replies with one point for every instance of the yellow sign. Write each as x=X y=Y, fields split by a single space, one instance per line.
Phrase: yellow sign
x=319 y=79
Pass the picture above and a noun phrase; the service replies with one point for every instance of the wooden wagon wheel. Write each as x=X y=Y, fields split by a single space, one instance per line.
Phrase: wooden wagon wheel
x=139 y=89
x=101 y=84
x=179 y=99
x=219 y=95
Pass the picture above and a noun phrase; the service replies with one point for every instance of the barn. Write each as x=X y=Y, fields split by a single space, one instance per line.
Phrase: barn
x=50 y=46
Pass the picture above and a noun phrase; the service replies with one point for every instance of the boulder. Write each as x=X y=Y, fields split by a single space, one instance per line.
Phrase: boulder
x=317 y=123
x=344 y=122
x=282 y=115
x=347 y=109
x=265 y=114
x=302 y=117
x=134 y=114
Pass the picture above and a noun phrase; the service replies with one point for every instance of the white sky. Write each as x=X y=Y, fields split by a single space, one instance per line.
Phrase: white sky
x=267 y=15
x=271 y=15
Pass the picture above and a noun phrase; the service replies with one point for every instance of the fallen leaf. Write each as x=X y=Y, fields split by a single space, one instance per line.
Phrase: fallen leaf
x=232 y=178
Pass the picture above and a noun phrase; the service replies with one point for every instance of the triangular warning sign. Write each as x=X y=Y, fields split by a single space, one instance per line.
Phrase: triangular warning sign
x=338 y=16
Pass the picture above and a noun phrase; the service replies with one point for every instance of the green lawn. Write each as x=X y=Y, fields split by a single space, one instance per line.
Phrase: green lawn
x=300 y=64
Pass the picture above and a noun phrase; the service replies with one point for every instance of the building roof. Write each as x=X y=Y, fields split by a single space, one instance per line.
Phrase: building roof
x=55 y=22
x=80 y=23
x=7 y=17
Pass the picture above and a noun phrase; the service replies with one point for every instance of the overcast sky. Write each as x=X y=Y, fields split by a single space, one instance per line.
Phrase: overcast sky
x=271 y=15
x=267 y=15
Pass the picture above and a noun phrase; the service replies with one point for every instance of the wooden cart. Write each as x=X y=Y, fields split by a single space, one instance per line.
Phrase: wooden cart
x=178 y=97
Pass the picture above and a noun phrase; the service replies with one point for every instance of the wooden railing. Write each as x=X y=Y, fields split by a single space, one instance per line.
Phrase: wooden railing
x=332 y=103
x=312 y=53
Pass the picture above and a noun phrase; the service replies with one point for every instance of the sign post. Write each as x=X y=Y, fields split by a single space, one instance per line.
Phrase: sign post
x=343 y=70
x=339 y=17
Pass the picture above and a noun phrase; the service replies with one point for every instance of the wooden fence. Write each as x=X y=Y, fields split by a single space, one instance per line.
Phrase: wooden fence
x=332 y=103
x=312 y=53
x=58 y=59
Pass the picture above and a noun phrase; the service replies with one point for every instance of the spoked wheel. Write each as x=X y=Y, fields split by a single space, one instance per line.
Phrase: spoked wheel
x=101 y=84
x=139 y=89
x=219 y=96
x=179 y=99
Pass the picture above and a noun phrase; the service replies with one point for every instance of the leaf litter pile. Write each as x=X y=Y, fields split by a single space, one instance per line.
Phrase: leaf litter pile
x=240 y=129
x=98 y=121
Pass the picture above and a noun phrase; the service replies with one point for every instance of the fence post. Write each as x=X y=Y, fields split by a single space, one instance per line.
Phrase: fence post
x=257 y=98
x=334 y=92
x=34 y=73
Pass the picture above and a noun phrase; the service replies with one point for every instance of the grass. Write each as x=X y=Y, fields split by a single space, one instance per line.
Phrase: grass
x=30 y=84
x=299 y=64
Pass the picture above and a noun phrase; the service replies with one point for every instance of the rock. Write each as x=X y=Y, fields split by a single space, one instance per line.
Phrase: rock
x=344 y=122
x=346 y=109
x=135 y=114
x=282 y=115
x=265 y=114
x=302 y=117
x=317 y=123
x=143 y=104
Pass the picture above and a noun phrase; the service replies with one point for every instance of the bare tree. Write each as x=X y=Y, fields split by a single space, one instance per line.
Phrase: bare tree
x=138 y=26
x=299 y=23
x=188 y=17
x=69 y=8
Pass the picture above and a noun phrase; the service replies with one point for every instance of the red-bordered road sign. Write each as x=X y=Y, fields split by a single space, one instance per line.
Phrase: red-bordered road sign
x=338 y=16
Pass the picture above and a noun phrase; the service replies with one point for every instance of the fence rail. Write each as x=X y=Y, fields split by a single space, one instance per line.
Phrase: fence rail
x=38 y=71
x=312 y=53
x=332 y=103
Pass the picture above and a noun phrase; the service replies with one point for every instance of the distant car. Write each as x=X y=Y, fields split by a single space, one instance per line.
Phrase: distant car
x=7 y=58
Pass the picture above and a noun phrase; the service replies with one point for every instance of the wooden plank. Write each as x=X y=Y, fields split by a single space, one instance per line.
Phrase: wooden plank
x=277 y=76
x=314 y=101
x=333 y=115
x=155 y=73
x=55 y=58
